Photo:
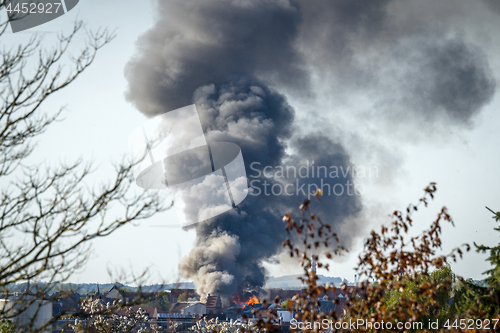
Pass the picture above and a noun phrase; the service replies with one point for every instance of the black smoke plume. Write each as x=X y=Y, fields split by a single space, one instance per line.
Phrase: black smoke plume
x=232 y=57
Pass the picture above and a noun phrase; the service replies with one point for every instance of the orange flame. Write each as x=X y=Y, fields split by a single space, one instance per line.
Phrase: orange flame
x=252 y=300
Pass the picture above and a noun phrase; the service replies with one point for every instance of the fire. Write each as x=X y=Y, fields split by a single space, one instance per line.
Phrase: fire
x=252 y=300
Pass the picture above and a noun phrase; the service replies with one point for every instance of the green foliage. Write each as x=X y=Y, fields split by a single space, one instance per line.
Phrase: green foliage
x=7 y=327
x=477 y=300
x=481 y=299
x=443 y=277
x=182 y=297
x=161 y=301
x=467 y=296
x=494 y=258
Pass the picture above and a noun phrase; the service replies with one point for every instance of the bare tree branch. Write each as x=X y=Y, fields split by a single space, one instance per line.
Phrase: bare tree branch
x=49 y=216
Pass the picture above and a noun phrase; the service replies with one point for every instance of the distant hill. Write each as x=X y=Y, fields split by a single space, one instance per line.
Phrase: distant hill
x=180 y=285
x=284 y=282
x=81 y=288
x=293 y=282
x=91 y=288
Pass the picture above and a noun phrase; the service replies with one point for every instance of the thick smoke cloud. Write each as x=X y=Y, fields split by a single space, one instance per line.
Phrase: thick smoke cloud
x=232 y=57
x=211 y=53
x=451 y=81
x=259 y=120
x=412 y=67
x=195 y=43
x=493 y=5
